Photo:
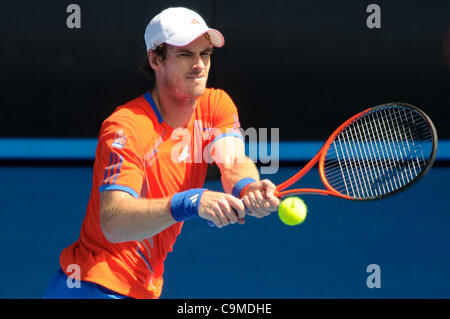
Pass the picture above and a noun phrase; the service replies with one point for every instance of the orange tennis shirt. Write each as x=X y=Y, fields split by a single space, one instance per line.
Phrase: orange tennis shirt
x=139 y=153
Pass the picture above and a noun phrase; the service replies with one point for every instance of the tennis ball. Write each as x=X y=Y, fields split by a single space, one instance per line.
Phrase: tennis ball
x=292 y=211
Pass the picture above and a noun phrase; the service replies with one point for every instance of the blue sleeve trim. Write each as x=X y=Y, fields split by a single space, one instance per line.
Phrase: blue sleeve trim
x=126 y=189
x=234 y=134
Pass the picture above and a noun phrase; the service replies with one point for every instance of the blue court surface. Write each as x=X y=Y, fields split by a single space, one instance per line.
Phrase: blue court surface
x=326 y=257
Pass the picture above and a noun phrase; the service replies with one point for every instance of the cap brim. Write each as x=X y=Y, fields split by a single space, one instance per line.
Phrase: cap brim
x=181 y=40
x=216 y=38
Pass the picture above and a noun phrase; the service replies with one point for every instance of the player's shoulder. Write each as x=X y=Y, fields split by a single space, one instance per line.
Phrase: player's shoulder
x=132 y=114
x=215 y=99
x=214 y=94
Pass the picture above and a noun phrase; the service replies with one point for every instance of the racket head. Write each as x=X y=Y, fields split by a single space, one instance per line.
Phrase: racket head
x=378 y=152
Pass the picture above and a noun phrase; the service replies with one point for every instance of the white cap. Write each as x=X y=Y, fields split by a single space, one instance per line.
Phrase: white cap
x=178 y=27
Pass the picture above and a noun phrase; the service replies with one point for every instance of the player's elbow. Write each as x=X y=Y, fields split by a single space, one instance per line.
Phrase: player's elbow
x=109 y=221
x=108 y=226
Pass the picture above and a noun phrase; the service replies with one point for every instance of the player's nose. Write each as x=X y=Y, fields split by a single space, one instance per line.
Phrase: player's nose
x=199 y=64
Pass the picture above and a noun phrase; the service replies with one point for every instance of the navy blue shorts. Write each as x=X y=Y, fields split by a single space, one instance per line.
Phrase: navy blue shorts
x=59 y=289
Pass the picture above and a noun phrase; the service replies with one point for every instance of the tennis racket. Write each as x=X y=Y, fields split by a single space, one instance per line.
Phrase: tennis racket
x=374 y=154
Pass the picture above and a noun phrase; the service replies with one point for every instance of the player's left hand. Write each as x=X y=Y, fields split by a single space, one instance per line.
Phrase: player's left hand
x=259 y=199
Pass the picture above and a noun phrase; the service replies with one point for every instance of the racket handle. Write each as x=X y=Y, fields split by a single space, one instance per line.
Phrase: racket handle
x=211 y=224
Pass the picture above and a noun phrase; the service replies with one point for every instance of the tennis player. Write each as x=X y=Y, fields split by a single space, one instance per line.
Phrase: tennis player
x=150 y=167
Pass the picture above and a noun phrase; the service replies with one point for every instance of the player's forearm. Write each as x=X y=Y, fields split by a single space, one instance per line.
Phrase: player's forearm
x=125 y=218
x=231 y=174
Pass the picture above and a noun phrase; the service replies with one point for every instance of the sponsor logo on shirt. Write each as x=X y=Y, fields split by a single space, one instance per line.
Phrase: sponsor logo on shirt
x=119 y=140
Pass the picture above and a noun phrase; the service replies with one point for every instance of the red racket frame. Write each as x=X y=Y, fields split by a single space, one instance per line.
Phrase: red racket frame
x=319 y=157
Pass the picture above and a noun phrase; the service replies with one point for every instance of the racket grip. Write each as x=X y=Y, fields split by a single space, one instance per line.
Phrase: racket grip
x=211 y=224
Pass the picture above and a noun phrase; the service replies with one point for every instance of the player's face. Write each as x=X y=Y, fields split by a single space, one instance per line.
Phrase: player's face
x=185 y=70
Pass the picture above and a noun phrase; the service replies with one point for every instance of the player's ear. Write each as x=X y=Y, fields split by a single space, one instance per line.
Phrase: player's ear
x=154 y=60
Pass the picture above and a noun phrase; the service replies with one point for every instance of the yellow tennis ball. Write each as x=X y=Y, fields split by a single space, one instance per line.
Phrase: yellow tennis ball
x=292 y=211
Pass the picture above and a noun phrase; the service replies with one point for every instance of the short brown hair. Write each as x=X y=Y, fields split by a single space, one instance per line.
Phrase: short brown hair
x=145 y=67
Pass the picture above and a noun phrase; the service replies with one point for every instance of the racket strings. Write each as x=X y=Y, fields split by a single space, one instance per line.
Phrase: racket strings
x=392 y=152
x=384 y=151
x=379 y=153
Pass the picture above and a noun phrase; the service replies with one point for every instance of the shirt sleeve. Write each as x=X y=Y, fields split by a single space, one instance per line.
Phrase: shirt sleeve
x=225 y=117
x=120 y=164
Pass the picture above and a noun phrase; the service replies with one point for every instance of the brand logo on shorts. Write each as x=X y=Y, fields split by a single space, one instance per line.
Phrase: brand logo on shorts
x=119 y=140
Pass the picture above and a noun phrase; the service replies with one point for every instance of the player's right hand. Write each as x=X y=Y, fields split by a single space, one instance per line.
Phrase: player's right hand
x=221 y=208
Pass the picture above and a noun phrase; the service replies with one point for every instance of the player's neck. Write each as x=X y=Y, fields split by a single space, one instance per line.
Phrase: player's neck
x=175 y=110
